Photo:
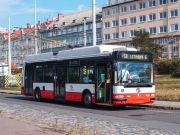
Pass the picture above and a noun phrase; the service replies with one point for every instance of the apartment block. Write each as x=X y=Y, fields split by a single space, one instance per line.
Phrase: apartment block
x=161 y=18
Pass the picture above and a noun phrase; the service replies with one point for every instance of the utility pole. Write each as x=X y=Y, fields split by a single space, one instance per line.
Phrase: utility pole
x=171 y=41
x=94 y=21
x=84 y=31
x=9 y=48
x=35 y=28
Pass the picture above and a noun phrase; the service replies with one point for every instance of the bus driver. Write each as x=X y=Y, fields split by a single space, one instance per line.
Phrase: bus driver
x=124 y=75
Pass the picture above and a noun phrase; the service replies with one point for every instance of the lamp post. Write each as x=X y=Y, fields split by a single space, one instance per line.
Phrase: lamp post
x=35 y=27
x=94 y=21
x=9 y=48
x=171 y=41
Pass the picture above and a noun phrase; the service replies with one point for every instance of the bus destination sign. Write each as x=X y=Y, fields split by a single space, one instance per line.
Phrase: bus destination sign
x=133 y=56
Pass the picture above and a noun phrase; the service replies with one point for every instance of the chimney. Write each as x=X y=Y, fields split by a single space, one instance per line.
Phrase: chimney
x=28 y=25
x=47 y=20
x=53 y=18
x=60 y=16
x=39 y=22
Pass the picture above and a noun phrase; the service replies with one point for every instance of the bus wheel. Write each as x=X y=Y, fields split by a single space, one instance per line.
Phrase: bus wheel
x=37 y=95
x=87 y=100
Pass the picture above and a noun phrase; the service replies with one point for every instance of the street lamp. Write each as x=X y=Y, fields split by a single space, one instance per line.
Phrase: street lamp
x=35 y=28
x=9 y=48
x=171 y=41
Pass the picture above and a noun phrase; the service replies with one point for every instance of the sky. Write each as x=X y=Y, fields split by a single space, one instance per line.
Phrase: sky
x=21 y=12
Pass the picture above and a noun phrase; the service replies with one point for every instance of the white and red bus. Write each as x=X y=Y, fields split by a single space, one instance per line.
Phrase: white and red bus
x=92 y=75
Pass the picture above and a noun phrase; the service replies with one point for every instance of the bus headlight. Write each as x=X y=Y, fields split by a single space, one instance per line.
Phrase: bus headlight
x=120 y=96
x=152 y=95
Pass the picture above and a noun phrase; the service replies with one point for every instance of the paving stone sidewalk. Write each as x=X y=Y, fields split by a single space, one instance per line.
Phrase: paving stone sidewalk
x=72 y=123
x=11 y=126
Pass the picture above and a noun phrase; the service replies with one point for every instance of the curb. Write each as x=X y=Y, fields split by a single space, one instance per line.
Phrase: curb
x=15 y=93
x=159 y=107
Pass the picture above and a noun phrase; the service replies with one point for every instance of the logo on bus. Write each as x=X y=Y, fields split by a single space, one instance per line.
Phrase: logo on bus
x=138 y=90
x=71 y=88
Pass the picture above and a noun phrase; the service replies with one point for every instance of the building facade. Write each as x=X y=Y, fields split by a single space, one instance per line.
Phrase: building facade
x=161 y=18
x=71 y=30
x=22 y=43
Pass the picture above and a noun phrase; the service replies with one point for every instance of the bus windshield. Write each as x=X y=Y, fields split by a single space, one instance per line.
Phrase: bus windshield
x=135 y=73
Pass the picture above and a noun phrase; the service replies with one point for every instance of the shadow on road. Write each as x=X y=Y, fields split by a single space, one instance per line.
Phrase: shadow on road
x=61 y=105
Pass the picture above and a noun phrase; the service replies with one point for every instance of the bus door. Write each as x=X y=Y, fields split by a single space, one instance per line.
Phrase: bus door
x=59 y=83
x=103 y=83
x=29 y=80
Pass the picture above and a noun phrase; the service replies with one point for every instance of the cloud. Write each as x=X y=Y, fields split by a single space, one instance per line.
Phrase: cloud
x=3 y=29
x=81 y=7
x=17 y=7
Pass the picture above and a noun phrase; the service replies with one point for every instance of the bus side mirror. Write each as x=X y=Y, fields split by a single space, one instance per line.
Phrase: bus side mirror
x=115 y=66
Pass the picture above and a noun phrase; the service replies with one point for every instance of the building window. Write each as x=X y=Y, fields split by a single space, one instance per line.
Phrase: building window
x=132 y=20
x=153 y=30
x=106 y=13
x=115 y=11
x=142 y=5
x=174 y=13
x=174 y=27
x=152 y=3
x=152 y=17
x=143 y=29
x=115 y=23
x=132 y=33
x=124 y=34
x=162 y=29
x=107 y=36
x=173 y=1
x=154 y=41
x=99 y=25
x=123 y=22
x=124 y=44
x=176 y=40
x=175 y=49
x=142 y=18
x=115 y=35
x=163 y=41
x=132 y=7
x=162 y=15
x=106 y=25
x=162 y=2
x=123 y=9
x=164 y=50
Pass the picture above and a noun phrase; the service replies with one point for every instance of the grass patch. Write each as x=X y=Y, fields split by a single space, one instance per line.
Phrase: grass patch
x=11 y=88
x=167 y=88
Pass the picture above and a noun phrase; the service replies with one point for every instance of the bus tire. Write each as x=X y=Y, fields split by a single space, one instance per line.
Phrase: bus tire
x=37 y=95
x=87 y=99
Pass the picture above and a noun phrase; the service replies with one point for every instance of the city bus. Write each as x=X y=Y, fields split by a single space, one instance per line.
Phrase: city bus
x=91 y=75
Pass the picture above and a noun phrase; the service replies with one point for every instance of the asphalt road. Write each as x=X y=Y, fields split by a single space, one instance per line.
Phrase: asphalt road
x=153 y=118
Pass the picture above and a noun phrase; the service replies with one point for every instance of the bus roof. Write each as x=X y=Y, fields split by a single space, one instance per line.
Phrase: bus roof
x=82 y=52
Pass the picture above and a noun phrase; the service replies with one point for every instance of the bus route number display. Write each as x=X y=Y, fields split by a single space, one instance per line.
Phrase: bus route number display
x=133 y=56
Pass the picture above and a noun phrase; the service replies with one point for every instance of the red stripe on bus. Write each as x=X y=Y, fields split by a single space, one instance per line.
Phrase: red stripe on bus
x=22 y=92
x=73 y=96
x=93 y=98
x=132 y=99
x=47 y=94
